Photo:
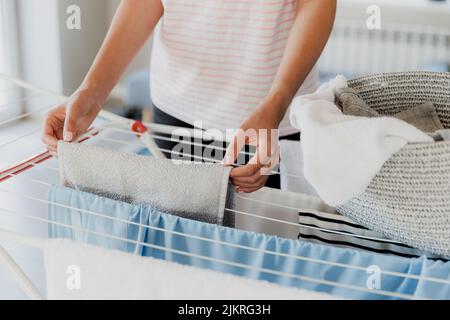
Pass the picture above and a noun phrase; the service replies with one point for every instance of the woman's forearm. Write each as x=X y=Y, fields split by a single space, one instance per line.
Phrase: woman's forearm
x=133 y=24
x=308 y=37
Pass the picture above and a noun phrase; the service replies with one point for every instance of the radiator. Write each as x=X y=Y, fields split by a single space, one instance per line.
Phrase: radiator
x=354 y=50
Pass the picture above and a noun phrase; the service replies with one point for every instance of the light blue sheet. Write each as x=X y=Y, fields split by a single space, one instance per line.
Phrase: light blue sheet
x=236 y=254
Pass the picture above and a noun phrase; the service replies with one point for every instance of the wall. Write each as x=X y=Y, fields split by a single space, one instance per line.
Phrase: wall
x=53 y=56
x=78 y=48
x=57 y=58
x=142 y=60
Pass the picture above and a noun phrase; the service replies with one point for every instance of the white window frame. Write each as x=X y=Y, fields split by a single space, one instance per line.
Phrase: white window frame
x=10 y=57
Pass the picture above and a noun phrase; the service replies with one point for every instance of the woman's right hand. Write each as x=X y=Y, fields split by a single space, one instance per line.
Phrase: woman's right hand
x=70 y=120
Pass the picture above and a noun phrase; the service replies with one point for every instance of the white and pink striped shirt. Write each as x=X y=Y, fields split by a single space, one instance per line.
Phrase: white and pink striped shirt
x=215 y=60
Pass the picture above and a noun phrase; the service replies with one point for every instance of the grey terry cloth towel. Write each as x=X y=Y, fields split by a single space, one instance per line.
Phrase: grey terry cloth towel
x=352 y=104
x=424 y=117
x=194 y=191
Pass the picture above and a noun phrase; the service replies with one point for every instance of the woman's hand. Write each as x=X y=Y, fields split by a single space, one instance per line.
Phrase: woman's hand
x=70 y=120
x=260 y=129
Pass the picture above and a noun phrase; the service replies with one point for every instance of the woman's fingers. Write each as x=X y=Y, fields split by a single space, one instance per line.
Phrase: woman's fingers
x=70 y=123
x=250 y=189
x=248 y=178
x=253 y=176
x=50 y=140
x=51 y=126
x=53 y=152
x=245 y=171
x=248 y=181
x=53 y=129
x=251 y=172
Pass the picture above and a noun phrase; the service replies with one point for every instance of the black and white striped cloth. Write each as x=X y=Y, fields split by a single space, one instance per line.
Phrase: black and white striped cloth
x=337 y=230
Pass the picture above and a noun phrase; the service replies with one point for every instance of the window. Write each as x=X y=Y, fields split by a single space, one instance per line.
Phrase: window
x=2 y=58
x=8 y=59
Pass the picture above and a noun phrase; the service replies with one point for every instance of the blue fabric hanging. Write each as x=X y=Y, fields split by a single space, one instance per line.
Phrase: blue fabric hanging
x=231 y=254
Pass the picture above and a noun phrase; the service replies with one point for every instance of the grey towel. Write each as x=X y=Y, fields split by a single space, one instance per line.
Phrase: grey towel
x=352 y=104
x=424 y=117
x=194 y=191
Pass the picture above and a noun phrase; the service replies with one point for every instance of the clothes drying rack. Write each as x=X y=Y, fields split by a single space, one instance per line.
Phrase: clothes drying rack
x=146 y=133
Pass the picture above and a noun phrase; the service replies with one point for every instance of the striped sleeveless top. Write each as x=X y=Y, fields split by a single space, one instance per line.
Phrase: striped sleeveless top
x=215 y=60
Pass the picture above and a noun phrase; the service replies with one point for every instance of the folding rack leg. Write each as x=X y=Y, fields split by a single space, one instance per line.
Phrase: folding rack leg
x=25 y=283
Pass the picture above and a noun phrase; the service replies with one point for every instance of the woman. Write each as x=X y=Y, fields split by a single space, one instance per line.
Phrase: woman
x=226 y=63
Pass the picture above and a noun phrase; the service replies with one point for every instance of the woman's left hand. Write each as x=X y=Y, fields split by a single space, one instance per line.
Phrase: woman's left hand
x=260 y=129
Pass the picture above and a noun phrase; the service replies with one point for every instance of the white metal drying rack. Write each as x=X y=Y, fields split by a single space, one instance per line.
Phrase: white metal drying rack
x=37 y=161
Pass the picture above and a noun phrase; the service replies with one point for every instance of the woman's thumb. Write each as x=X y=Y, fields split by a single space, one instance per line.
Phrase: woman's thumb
x=70 y=125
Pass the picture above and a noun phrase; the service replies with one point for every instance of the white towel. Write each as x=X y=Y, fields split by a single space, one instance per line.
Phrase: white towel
x=292 y=177
x=79 y=271
x=195 y=191
x=342 y=154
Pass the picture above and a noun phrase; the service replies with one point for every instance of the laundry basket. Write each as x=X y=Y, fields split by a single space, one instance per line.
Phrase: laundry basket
x=409 y=199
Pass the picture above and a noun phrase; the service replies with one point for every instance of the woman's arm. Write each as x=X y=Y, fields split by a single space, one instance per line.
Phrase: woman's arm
x=308 y=37
x=133 y=24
